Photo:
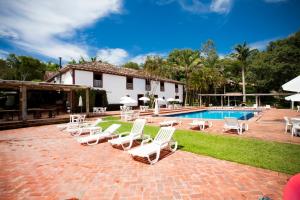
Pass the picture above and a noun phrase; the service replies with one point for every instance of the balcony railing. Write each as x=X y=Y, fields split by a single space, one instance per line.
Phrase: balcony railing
x=98 y=83
x=129 y=86
x=148 y=88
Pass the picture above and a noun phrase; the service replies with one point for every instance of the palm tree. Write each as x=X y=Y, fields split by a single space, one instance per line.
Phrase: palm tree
x=242 y=54
x=185 y=60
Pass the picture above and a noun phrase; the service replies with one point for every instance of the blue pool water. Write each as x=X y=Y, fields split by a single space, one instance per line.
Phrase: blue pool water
x=217 y=114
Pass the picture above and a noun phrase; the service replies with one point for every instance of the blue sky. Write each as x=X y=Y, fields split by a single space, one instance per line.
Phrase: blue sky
x=119 y=31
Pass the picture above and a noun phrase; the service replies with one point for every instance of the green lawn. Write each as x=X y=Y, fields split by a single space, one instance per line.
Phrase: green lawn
x=269 y=155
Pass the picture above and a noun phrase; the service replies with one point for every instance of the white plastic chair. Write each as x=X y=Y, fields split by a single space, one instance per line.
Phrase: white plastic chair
x=75 y=121
x=201 y=124
x=162 y=140
x=298 y=108
x=233 y=123
x=96 y=136
x=288 y=124
x=85 y=128
x=135 y=133
x=168 y=123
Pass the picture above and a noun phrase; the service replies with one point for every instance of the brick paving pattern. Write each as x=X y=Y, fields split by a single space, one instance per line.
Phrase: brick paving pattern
x=44 y=163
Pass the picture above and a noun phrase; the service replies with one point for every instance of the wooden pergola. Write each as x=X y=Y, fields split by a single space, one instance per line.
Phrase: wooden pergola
x=23 y=86
x=237 y=94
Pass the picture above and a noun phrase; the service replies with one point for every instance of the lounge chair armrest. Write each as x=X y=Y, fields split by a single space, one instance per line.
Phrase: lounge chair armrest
x=244 y=125
x=124 y=133
x=93 y=130
x=146 y=139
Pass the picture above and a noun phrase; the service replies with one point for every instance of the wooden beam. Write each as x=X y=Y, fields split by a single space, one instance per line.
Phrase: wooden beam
x=87 y=101
x=23 y=102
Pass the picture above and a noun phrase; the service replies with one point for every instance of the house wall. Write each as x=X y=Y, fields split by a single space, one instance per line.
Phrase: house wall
x=115 y=86
x=66 y=78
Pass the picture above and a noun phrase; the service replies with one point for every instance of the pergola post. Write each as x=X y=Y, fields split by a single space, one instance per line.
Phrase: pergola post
x=23 y=102
x=87 y=101
x=256 y=100
x=292 y=105
x=200 y=101
x=228 y=103
x=222 y=101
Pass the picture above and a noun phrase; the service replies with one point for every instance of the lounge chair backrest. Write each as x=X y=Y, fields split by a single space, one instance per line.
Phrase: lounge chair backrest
x=95 y=123
x=164 y=135
x=138 y=126
x=112 y=128
x=82 y=118
x=231 y=121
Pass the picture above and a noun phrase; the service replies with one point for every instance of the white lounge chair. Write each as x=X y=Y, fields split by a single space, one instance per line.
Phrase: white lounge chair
x=168 y=123
x=298 y=108
x=135 y=133
x=201 y=124
x=75 y=121
x=288 y=124
x=268 y=107
x=233 y=123
x=96 y=136
x=86 y=128
x=162 y=140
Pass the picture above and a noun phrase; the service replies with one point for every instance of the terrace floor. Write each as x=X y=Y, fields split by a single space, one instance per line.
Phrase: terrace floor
x=44 y=163
x=269 y=126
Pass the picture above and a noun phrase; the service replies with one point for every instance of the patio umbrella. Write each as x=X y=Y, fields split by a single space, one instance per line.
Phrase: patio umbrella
x=156 y=107
x=160 y=100
x=170 y=99
x=178 y=100
x=294 y=97
x=124 y=97
x=127 y=101
x=293 y=85
x=144 y=99
x=80 y=104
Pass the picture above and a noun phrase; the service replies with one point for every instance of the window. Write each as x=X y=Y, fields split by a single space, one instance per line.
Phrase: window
x=148 y=85
x=162 y=86
x=176 y=88
x=98 y=80
x=129 y=83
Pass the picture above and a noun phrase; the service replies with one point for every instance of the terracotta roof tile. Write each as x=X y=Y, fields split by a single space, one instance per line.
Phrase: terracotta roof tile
x=111 y=69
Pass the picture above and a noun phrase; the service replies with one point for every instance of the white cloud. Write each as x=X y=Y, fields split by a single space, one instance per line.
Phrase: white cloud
x=261 y=45
x=45 y=27
x=114 y=56
x=274 y=1
x=198 y=7
x=3 y=54
x=120 y=56
x=141 y=58
x=221 y=6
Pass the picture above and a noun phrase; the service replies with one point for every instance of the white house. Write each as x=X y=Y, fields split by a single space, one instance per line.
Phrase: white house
x=118 y=82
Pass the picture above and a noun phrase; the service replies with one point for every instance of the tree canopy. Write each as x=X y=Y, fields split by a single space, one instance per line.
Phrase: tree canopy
x=203 y=71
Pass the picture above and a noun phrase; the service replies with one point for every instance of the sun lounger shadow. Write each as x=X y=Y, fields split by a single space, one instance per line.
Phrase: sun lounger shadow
x=163 y=154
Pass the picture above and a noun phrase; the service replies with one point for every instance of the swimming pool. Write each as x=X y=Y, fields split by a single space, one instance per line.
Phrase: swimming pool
x=217 y=114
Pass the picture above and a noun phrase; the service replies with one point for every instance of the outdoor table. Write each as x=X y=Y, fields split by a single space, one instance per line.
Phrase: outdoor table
x=295 y=121
x=295 y=129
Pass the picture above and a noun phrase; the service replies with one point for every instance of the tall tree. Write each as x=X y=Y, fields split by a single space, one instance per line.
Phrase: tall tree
x=242 y=54
x=184 y=60
x=131 y=65
x=156 y=66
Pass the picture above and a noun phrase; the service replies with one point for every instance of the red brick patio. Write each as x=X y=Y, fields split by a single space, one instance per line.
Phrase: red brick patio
x=43 y=163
